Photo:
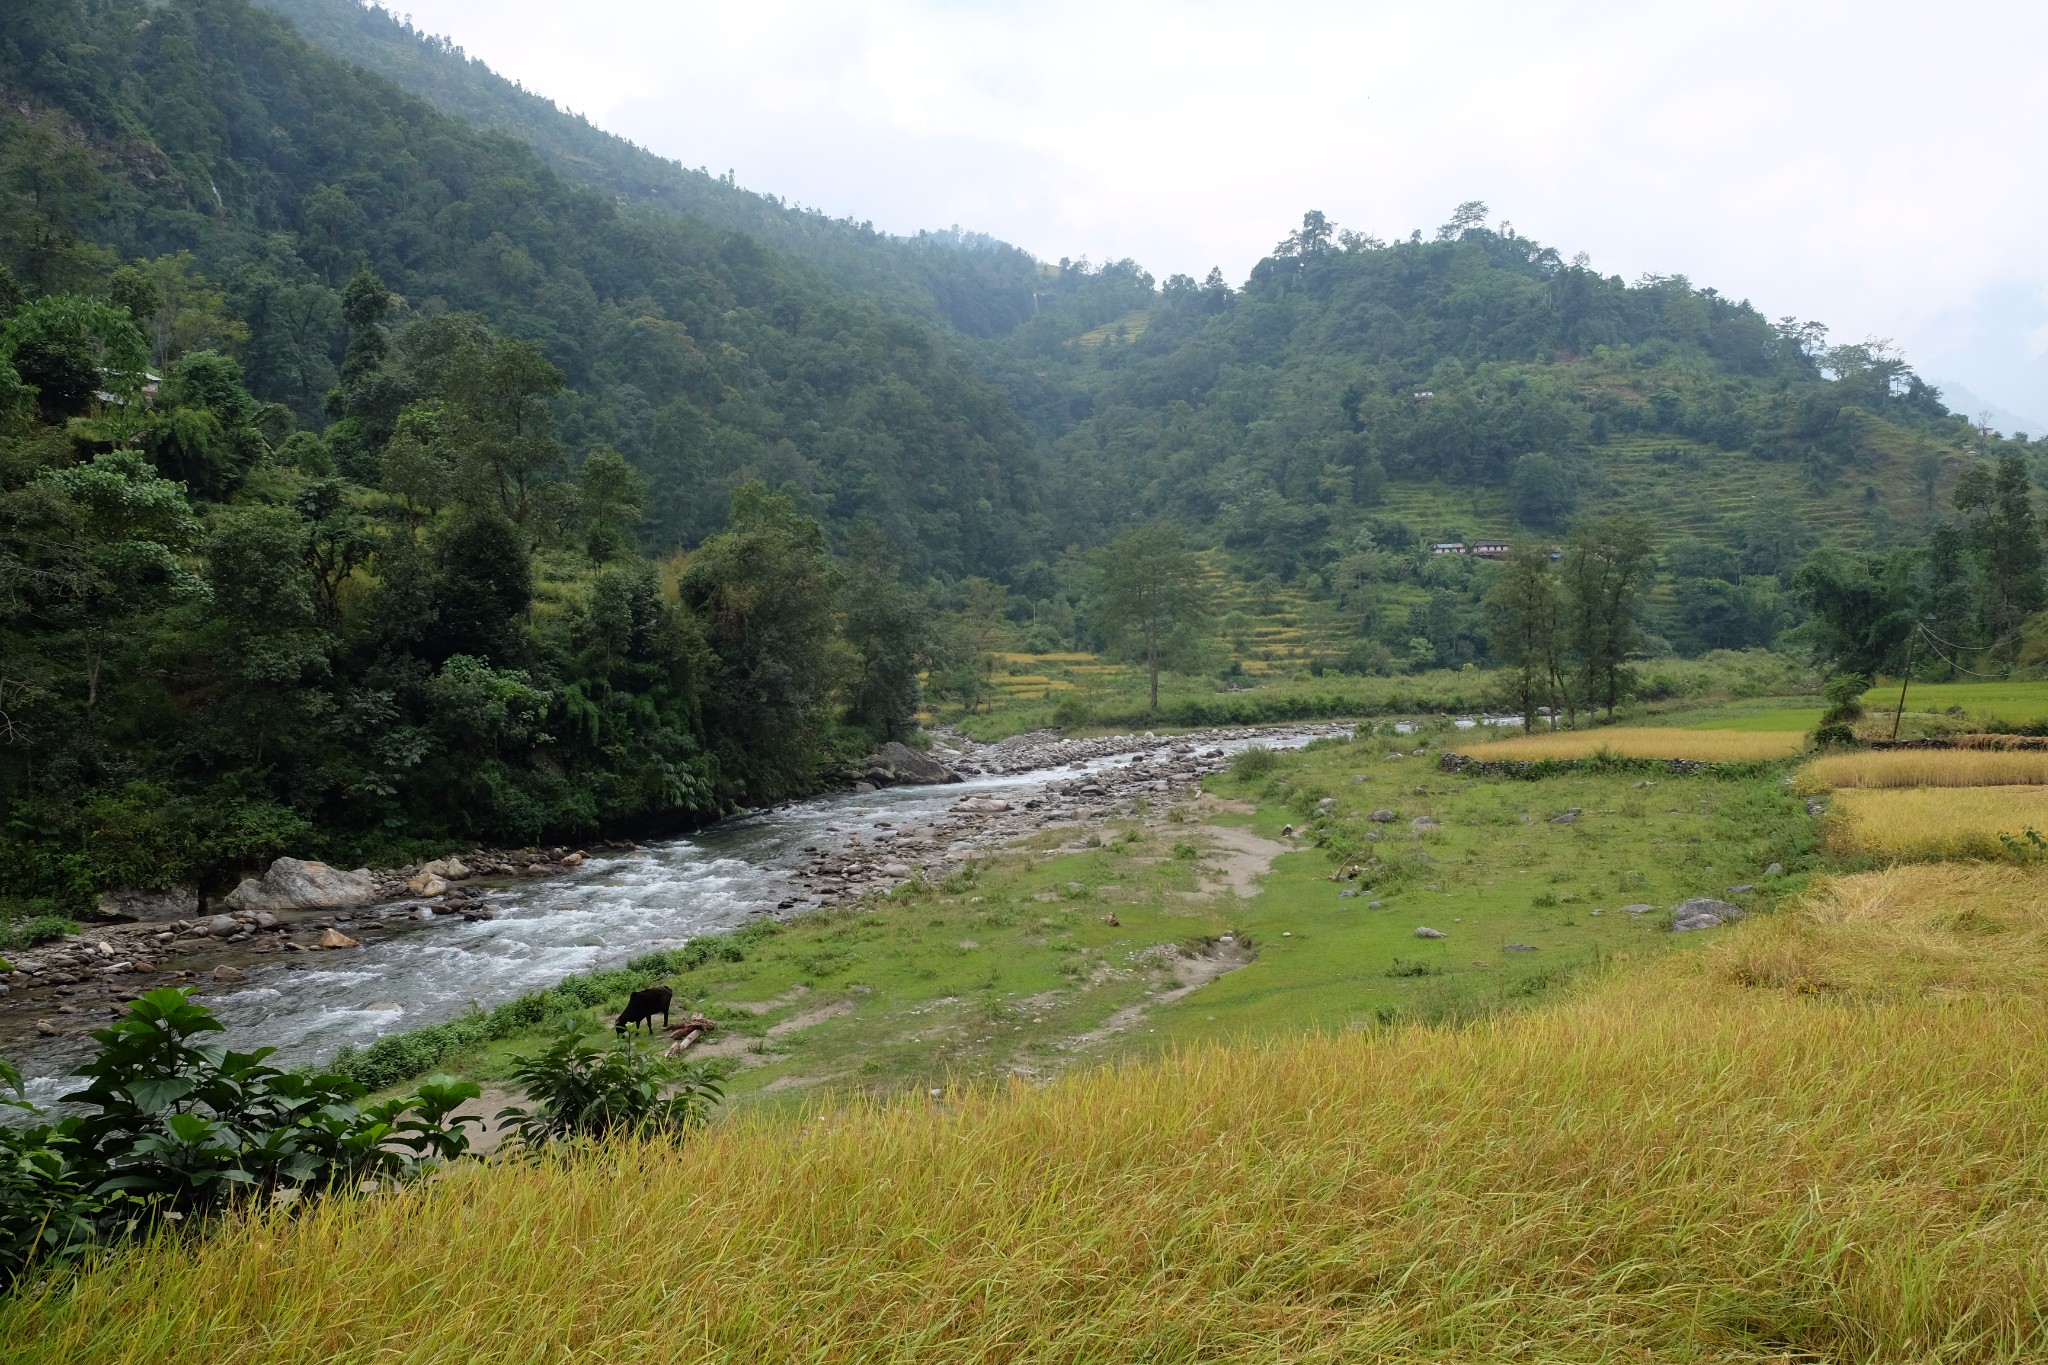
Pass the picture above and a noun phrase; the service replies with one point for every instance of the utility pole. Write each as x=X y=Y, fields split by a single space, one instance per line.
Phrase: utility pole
x=1904 y=678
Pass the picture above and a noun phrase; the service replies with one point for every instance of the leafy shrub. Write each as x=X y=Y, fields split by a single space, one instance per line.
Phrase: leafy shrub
x=692 y=955
x=1256 y=761
x=175 y=1130
x=583 y=1089
x=36 y=931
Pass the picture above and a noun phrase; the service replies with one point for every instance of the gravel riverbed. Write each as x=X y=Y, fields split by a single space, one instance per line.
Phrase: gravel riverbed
x=312 y=981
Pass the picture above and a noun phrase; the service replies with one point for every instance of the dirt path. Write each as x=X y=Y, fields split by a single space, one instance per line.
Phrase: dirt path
x=1246 y=856
x=1192 y=970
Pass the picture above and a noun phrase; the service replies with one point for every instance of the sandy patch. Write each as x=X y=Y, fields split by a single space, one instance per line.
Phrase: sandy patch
x=1191 y=971
x=1244 y=857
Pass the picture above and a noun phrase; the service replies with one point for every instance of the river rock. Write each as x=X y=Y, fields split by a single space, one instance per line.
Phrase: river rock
x=217 y=926
x=1424 y=931
x=227 y=975
x=447 y=869
x=334 y=938
x=294 y=884
x=573 y=859
x=905 y=764
x=981 y=805
x=127 y=904
x=426 y=884
x=1703 y=912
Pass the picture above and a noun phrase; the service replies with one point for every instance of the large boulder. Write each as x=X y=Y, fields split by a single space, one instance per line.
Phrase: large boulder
x=906 y=764
x=125 y=904
x=293 y=884
x=1703 y=912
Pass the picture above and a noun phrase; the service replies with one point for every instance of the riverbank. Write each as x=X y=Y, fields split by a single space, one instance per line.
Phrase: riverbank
x=1270 y=897
x=1667 y=1162
x=313 y=981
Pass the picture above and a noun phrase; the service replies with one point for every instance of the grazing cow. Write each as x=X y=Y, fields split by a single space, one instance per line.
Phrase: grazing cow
x=642 y=1006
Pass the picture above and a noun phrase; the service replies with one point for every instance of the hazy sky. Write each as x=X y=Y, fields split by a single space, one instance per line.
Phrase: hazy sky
x=1875 y=166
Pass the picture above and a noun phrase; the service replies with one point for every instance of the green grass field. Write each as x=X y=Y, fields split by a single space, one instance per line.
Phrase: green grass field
x=1813 y=1136
x=1012 y=968
x=1747 y=715
x=2018 y=702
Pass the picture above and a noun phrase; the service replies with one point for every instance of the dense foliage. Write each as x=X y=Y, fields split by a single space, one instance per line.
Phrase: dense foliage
x=981 y=286
x=251 y=177
x=172 y=1130
x=370 y=480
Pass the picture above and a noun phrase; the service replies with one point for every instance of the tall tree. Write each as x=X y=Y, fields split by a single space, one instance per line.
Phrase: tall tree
x=1147 y=596
x=613 y=498
x=764 y=593
x=885 y=625
x=2004 y=537
x=1525 y=626
x=1607 y=566
x=500 y=420
x=1863 y=608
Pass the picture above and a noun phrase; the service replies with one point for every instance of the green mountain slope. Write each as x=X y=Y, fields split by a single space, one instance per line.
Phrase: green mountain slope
x=134 y=130
x=1357 y=399
x=976 y=284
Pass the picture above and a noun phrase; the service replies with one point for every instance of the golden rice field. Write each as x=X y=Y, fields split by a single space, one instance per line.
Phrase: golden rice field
x=1930 y=768
x=1769 y=1150
x=1706 y=746
x=1903 y=823
x=1917 y=929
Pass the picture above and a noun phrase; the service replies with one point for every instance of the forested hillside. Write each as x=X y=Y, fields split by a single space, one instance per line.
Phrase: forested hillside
x=1356 y=399
x=371 y=478
x=139 y=132
x=329 y=432
x=981 y=286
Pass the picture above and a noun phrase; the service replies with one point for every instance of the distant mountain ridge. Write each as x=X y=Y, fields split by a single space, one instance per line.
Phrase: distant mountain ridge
x=976 y=284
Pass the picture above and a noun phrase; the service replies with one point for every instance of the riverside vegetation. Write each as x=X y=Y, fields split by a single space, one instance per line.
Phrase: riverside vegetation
x=373 y=483
x=1654 y=1143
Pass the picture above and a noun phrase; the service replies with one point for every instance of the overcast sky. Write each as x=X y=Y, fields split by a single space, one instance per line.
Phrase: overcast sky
x=1875 y=166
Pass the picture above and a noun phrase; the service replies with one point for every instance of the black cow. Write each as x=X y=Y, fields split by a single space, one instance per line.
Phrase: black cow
x=642 y=1006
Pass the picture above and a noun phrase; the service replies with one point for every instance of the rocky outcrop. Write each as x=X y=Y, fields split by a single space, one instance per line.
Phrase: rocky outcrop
x=126 y=904
x=1703 y=912
x=895 y=762
x=294 y=884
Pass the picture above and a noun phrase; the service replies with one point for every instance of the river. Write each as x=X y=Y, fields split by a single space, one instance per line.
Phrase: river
x=614 y=907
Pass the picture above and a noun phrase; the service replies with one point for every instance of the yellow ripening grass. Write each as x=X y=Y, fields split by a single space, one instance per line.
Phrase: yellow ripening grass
x=1665 y=1167
x=1905 y=823
x=1927 y=930
x=1931 y=768
x=1705 y=746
